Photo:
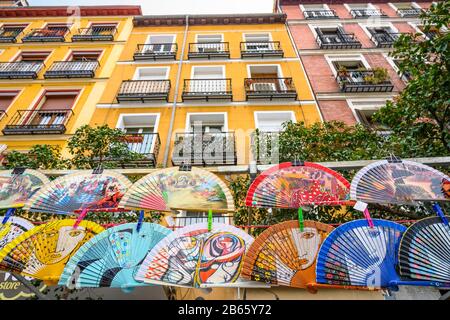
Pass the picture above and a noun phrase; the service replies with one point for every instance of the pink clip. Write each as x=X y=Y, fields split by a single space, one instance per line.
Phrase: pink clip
x=368 y=218
x=80 y=217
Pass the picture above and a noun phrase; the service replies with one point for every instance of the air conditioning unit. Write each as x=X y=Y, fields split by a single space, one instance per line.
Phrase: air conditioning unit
x=209 y=48
x=264 y=86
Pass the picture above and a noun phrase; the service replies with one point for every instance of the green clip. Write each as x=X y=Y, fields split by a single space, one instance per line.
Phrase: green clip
x=210 y=219
x=300 y=219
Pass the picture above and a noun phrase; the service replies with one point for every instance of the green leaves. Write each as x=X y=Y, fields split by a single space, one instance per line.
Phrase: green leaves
x=41 y=156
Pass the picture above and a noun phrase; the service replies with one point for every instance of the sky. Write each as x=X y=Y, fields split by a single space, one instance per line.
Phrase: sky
x=163 y=7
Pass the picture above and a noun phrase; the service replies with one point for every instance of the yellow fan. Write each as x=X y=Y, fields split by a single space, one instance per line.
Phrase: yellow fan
x=43 y=251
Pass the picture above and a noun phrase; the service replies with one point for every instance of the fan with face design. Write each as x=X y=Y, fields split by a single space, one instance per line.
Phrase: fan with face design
x=112 y=258
x=43 y=251
x=284 y=255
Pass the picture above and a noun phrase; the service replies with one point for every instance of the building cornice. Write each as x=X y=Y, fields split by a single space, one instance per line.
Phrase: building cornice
x=216 y=19
x=294 y=2
x=66 y=11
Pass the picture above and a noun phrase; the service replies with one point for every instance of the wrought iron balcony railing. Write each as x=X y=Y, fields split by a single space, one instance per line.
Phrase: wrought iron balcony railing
x=385 y=40
x=362 y=81
x=144 y=90
x=20 y=70
x=320 y=14
x=265 y=146
x=38 y=122
x=413 y=12
x=214 y=148
x=261 y=49
x=270 y=88
x=338 y=40
x=10 y=34
x=156 y=51
x=72 y=69
x=209 y=50
x=46 y=35
x=366 y=13
x=207 y=89
x=95 y=33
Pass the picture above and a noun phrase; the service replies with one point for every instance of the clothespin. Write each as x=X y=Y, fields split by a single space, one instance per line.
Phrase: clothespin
x=8 y=214
x=210 y=217
x=437 y=208
x=98 y=169
x=300 y=219
x=18 y=170
x=185 y=167
x=393 y=159
x=298 y=162
x=80 y=218
x=140 y=220
x=361 y=206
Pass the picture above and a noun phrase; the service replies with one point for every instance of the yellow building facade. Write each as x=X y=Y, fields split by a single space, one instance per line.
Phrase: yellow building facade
x=55 y=63
x=194 y=84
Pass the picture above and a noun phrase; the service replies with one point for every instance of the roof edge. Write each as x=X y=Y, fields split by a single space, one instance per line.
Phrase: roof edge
x=67 y=11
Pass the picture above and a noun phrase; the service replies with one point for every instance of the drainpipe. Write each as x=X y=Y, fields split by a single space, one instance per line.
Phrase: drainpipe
x=175 y=96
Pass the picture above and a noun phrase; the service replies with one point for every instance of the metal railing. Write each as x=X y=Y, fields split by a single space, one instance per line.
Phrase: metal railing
x=265 y=146
x=210 y=148
x=205 y=89
x=261 y=49
x=72 y=69
x=46 y=35
x=20 y=69
x=38 y=122
x=413 y=12
x=338 y=40
x=144 y=90
x=156 y=51
x=385 y=40
x=320 y=14
x=209 y=50
x=10 y=34
x=365 y=13
x=269 y=88
x=362 y=81
x=95 y=33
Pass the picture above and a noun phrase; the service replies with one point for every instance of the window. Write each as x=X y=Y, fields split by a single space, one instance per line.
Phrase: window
x=159 y=43
x=53 y=108
x=6 y=98
x=85 y=56
x=159 y=73
x=100 y=29
x=364 y=111
x=209 y=43
x=205 y=38
x=142 y=129
x=33 y=56
x=206 y=122
x=266 y=78
x=57 y=29
x=272 y=121
x=11 y=30
x=257 y=42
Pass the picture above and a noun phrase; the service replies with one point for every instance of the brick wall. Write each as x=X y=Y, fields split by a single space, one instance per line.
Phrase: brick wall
x=319 y=73
x=336 y=110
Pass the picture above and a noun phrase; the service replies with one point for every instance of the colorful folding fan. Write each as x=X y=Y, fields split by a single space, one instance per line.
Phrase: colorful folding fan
x=171 y=189
x=43 y=251
x=194 y=256
x=424 y=254
x=81 y=190
x=12 y=229
x=284 y=255
x=355 y=254
x=112 y=258
x=289 y=185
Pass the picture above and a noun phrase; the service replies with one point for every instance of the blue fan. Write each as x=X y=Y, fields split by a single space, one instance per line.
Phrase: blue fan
x=355 y=254
x=112 y=258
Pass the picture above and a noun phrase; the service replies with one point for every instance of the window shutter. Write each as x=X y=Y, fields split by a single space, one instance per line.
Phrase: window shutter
x=58 y=102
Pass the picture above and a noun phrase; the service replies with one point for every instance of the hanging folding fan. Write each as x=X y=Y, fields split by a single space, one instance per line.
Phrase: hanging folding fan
x=285 y=255
x=81 y=190
x=43 y=251
x=13 y=228
x=18 y=185
x=289 y=185
x=112 y=258
x=424 y=253
x=399 y=182
x=355 y=254
x=171 y=189
x=192 y=256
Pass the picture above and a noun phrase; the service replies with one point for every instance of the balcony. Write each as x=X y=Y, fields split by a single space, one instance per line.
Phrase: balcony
x=72 y=69
x=207 y=89
x=261 y=49
x=265 y=146
x=407 y=13
x=38 y=122
x=144 y=90
x=46 y=35
x=20 y=70
x=215 y=148
x=156 y=51
x=209 y=50
x=385 y=40
x=269 y=88
x=320 y=14
x=338 y=40
x=10 y=34
x=96 y=33
x=363 y=81
x=367 y=13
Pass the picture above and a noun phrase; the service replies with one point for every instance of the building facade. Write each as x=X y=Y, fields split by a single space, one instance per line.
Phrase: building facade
x=344 y=46
x=55 y=63
x=193 y=89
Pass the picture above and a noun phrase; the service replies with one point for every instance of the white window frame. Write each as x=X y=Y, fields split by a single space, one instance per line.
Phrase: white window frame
x=414 y=5
x=352 y=103
x=365 y=27
x=245 y=34
x=209 y=34
x=324 y=6
x=138 y=70
x=193 y=68
x=187 y=127
x=313 y=27
x=256 y=113
x=330 y=58
x=370 y=6
x=147 y=41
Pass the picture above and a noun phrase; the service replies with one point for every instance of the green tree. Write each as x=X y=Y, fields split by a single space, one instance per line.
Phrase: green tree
x=40 y=156
x=420 y=115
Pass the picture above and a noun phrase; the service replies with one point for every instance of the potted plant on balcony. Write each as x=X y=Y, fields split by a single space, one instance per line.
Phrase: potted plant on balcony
x=378 y=75
x=342 y=72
